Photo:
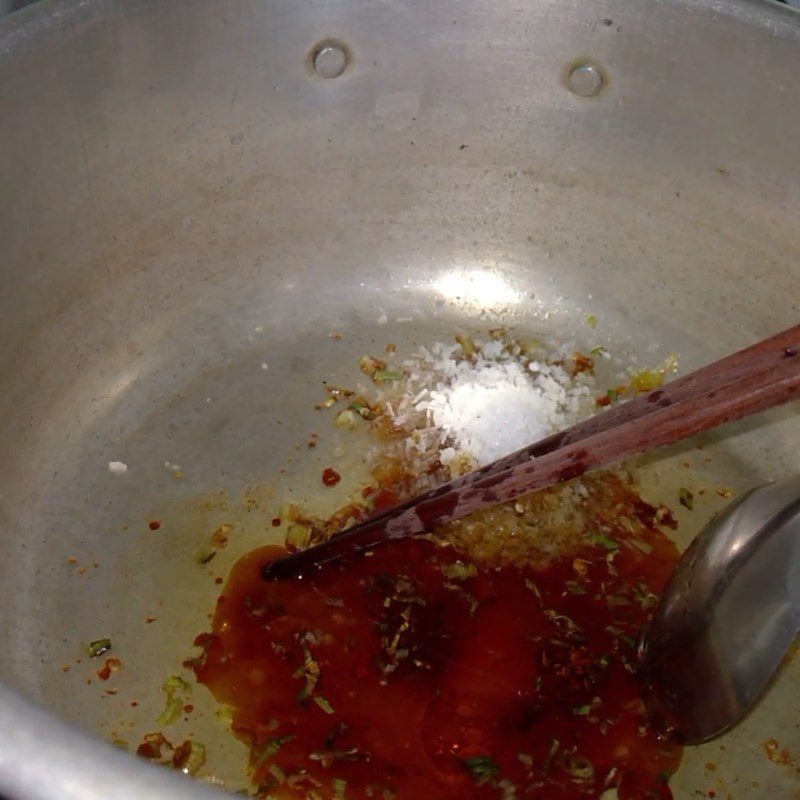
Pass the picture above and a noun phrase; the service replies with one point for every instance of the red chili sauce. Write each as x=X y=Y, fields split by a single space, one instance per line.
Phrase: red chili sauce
x=413 y=673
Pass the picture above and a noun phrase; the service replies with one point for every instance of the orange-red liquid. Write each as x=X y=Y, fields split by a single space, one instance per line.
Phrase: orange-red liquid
x=418 y=674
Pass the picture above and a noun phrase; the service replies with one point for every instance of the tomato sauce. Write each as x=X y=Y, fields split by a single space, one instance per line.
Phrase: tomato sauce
x=415 y=673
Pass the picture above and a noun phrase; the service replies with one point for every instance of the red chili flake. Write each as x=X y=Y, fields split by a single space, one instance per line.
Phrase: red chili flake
x=148 y=751
x=154 y=525
x=385 y=499
x=188 y=708
x=111 y=665
x=604 y=400
x=276 y=522
x=330 y=477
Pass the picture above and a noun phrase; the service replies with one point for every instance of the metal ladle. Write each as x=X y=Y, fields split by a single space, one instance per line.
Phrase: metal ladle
x=729 y=614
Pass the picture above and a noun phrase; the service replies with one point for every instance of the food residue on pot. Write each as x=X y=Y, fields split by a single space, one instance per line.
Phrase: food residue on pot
x=495 y=657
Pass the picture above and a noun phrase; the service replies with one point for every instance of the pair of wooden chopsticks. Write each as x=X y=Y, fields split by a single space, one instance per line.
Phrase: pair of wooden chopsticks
x=751 y=380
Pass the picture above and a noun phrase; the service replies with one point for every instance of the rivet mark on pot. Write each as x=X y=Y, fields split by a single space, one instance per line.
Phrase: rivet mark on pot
x=585 y=78
x=329 y=59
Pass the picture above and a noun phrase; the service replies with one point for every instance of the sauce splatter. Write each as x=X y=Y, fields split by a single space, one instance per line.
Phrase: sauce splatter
x=416 y=673
x=330 y=477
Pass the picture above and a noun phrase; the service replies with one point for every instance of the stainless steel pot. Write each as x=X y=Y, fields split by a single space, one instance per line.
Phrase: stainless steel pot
x=190 y=191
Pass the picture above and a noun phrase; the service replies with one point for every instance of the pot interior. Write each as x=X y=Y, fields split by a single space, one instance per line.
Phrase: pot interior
x=199 y=229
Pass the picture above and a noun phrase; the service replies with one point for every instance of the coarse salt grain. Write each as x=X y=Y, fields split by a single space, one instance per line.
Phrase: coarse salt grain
x=481 y=409
x=117 y=467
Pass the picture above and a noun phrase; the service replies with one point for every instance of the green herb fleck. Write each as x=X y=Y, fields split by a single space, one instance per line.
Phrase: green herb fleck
x=98 y=647
x=612 y=395
x=459 y=571
x=467 y=345
x=174 y=687
x=481 y=768
x=171 y=713
x=206 y=556
x=339 y=788
x=591 y=321
x=362 y=409
x=581 y=711
x=387 y=375
x=323 y=704
x=599 y=350
x=195 y=758
x=267 y=749
x=606 y=542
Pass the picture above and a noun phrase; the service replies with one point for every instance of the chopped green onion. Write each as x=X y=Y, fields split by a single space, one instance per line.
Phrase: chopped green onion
x=612 y=395
x=276 y=773
x=174 y=683
x=387 y=375
x=174 y=687
x=195 y=759
x=580 y=768
x=606 y=542
x=575 y=588
x=206 y=556
x=173 y=710
x=603 y=660
x=98 y=647
x=459 y=571
x=645 y=380
x=346 y=419
x=581 y=711
x=369 y=365
x=323 y=704
x=268 y=749
x=481 y=768
x=686 y=498
x=597 y=351
x=467 y=345
x=591 y=320
x=362 y=409
x=339 y=788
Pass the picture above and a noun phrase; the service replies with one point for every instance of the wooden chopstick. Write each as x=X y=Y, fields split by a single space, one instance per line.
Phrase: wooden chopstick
x=750 y=380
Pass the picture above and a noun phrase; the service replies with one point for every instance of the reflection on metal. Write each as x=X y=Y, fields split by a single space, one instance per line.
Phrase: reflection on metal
x=480 y=288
